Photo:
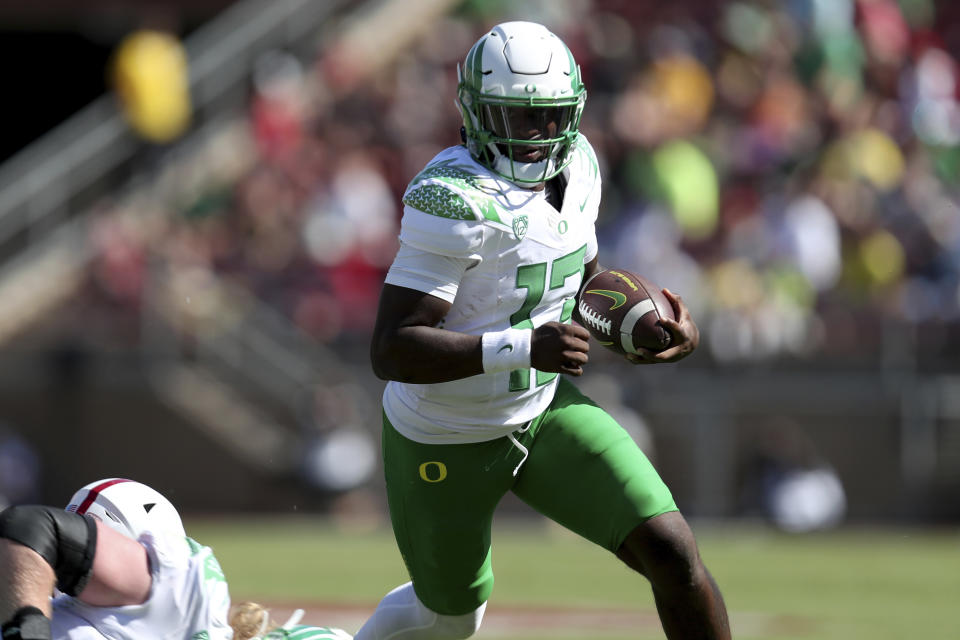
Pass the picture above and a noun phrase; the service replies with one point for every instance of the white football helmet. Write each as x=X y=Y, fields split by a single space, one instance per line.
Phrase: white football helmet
x=128 y=507
x=521 y=98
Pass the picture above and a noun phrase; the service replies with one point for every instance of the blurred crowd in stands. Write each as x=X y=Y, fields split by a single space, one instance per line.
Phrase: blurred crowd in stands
x=791 y=167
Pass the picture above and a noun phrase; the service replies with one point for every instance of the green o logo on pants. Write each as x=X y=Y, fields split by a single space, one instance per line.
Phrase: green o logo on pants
x=427 y=473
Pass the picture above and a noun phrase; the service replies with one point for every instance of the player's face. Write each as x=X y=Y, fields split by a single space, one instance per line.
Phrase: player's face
x=527 y=123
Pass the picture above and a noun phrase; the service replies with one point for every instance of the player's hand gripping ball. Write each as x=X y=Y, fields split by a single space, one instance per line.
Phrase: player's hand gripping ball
x=622 y=311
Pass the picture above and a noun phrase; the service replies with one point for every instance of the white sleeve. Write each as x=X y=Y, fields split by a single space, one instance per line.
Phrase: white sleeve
x=189 y=598
x=428 y=272
x=68 y=625
x=454 y=237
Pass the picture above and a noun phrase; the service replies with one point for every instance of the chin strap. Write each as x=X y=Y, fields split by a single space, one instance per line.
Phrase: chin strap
x=523 y=172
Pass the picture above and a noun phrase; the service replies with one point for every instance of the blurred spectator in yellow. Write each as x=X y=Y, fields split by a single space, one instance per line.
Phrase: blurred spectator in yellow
x=688 y=182
x=151 y=80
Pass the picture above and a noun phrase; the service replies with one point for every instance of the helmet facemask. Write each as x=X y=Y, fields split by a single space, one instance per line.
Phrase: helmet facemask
x=522 y=115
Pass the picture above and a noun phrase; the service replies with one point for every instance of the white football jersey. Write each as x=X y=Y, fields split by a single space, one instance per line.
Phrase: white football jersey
x=188 y=600
x=521 y=265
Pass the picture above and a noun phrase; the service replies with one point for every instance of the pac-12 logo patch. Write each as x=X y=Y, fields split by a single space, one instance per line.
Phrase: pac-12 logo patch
x=520 y=226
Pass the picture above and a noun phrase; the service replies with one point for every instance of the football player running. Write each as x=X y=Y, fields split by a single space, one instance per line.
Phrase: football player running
x=124 y=567
x=472 y=331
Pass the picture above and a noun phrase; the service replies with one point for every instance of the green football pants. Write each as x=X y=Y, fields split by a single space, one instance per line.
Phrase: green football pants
x=583 y=471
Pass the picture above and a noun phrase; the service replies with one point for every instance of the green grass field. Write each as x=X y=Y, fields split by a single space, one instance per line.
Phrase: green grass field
x=901 y=584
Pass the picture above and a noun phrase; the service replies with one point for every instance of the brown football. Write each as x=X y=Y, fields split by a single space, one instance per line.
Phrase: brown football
x=622 y=311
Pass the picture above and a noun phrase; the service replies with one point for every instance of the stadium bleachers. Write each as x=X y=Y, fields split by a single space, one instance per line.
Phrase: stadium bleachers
x=792 y=172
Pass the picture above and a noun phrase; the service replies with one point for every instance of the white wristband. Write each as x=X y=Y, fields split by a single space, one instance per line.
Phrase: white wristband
x=506 y=350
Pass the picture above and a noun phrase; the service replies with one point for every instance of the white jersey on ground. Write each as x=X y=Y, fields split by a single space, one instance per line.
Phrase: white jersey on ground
x=504 y=257
x=188 y=600
x=307 y=632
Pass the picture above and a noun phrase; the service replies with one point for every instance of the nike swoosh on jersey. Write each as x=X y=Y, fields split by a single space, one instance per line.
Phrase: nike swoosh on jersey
x=583 y=204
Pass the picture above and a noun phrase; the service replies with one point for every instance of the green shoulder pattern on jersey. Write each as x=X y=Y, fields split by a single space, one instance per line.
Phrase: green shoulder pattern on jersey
x=437 y=198
x=212 y=570
x=211 y=567
x=195 y=547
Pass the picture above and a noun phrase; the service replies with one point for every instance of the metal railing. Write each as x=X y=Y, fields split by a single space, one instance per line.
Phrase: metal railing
x=61 y=174
x=48 y=192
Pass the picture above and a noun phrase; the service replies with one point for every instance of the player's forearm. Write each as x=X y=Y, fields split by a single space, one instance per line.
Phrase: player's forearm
x=28 y=580
x=426 y=355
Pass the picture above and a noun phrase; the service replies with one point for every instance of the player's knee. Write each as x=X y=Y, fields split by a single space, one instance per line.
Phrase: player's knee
x=66 y=541
x=664 y=550
x=401 y=614
x=459 y=627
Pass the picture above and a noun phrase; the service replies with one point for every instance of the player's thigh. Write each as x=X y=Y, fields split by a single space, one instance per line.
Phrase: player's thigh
x=586 y=472
x=442 y=499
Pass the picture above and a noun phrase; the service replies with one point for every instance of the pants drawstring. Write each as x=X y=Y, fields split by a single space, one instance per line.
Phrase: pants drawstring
x=523 y=449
